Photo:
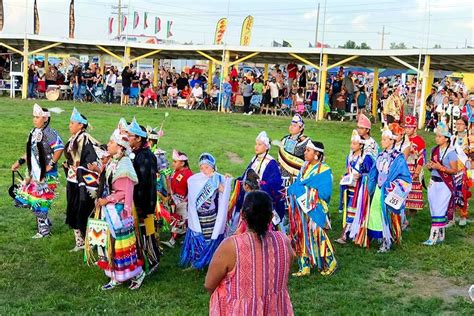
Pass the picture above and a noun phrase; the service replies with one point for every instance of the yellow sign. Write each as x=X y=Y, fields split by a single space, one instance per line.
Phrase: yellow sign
x=246 y=35
x=221 y=27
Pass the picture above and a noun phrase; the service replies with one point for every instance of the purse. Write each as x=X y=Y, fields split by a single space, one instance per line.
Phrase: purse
x=97 y=237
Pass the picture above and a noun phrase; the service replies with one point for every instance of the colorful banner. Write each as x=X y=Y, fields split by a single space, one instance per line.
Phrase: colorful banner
x=1 y=15
x=221 y=27
x=36 y=21
x=111 y=25
x=124 y=22
x=157 y=25
x=246 y=34
x=145 y=20
x=72 y=20
x=136 y=19
x=168 y=29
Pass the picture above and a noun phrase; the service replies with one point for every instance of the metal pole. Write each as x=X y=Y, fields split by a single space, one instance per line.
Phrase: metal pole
x=317 y=27
x=223 y=63
x=321 y=63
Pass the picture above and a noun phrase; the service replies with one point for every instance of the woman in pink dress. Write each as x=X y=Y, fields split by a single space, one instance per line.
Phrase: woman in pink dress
x=248 y=274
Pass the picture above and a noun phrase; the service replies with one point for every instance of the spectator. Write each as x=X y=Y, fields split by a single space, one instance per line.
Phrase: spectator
x=274 y=93
x=266 y=97
x=340 y=100
x=361 y=100
x=110 y=82
x=299 y=101
x=348 y=86
x=302 y=77
x=292 y=70
x=51 y=76
x=258 y=86
x=265 y=274
x=148 y=95
x=226 y=95
x=216 y=79
x=196 y=95
x=98 y=79
x=144 y=83
x=172 y=94
x=393 y=108
x=247 y=94
x=182 y=81
x=32 y=81
x=77 y=75
x=233 y=73
x=126 y=83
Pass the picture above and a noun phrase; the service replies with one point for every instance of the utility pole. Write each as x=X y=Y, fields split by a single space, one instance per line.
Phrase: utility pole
x=317 y=28
x=383 y=35
x=119 y=14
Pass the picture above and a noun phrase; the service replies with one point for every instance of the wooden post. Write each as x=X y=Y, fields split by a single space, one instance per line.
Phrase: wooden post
x=265 y=72
x=46 y=62
x=156 y=71
x=210 y=72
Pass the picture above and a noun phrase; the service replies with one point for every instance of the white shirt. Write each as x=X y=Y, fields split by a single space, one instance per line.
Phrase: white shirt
x=197 y=92
x=111 y=80
x=172 y=91
x=273 y=90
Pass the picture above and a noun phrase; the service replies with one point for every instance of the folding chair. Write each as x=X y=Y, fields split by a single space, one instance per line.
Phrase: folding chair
x=41 y=89
x=285 y=108
x=311 y=110
x=256 y=101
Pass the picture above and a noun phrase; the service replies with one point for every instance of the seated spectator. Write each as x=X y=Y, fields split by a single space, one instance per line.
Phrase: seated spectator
x=196 y=95
x=298 y=100
x=172 y=94
x=195 y=80
x=214 y=93
x=144 y=83
x=186 y=93
x=340 y=100
x=147 y=95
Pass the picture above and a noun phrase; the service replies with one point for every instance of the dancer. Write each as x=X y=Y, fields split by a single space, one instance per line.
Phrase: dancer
x=179 y=196
x=119 y=261
x=389 y=184
x=292 y=148
x=363 y=128
x=402 y=142
x=144 y=199
x=460 y=141
x=441 y=191
x=81 y=166
x=308 y=213
x=354 y=199
x=43 y=150
x=268 y=179
x=415 y=160
x=208 y=201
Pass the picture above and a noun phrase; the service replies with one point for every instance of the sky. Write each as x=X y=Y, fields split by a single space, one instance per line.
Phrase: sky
x=417 y=23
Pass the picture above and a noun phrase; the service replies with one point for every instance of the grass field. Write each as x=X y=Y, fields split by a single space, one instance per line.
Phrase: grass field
x=42 y=277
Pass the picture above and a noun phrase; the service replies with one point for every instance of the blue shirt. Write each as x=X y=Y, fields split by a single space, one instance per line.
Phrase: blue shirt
x=449 y=157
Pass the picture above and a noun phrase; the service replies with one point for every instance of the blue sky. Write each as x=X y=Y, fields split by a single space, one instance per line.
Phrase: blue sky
x=451 y=22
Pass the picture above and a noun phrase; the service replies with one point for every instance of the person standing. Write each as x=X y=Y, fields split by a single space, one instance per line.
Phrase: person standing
x=81 y=166
x=292 y=70
x=292 y=149
x=247 y=94
x=308 y=212
x=416 y=161
x=268 y=176
x=441 y=191
x=110 y=80
x=348 y=86
x=248 y=274
x=43 y=151
x=208 y=202
x=274 y=94
x=179 y=196
x=120 y=260
x=226 y=96
x=389 y=185
x=393 y=108
x=354 y=198
x=126 y=83
x=144 y=199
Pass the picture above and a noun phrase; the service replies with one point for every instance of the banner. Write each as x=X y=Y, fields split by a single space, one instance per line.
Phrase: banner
x=168 y=29
x=1 y=15
x=72 y=21
x=145 y=20
x=136 y=19
x=111 y=25
x=36 y=21
x=246 y=34
x=124 y=22
x=157 y=25
x=221 y=27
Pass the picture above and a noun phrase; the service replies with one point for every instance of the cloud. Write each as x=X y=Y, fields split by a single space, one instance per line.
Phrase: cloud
x=310 y=15
x=360 y=21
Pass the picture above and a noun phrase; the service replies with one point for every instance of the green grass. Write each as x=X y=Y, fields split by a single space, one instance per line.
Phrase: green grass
x=42 y=277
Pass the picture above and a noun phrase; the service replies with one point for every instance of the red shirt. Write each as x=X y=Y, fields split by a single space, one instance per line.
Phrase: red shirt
x=292 y=70
x=179 y=182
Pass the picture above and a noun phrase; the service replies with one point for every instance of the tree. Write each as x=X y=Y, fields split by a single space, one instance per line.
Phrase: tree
x=398 y=46
x=437 y=46
x=349 y=44
x=352 y=45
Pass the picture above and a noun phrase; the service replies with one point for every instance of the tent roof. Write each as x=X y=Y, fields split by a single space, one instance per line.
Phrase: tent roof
x=441 y=59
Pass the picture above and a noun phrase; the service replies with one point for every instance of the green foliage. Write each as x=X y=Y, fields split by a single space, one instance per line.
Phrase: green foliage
x=42 y=277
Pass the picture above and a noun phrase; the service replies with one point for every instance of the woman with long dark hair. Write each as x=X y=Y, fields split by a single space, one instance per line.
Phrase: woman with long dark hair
x=256 y=262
